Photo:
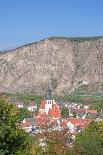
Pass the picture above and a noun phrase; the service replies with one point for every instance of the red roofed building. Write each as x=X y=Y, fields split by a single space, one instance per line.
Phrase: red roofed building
x=73 y=123
x=26 y=125
x=54 y=112
x=49 y=106
x=92 y=111
x=82 y=113
x=42 y=107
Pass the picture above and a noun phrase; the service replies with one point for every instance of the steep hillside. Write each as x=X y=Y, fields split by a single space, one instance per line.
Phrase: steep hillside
x=61 y=64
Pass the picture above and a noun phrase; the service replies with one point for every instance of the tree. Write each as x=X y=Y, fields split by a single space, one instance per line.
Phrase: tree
x=90 y=141
x=56 y=142
x=97 y=106
x=74 y=114
x=65 y=112
x=13 y=141
x=24 y=113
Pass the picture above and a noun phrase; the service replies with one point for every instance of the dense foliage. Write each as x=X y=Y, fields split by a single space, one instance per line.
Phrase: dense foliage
x=24 y=113
x=65 y=112
x=13 y=141
x=90 y=141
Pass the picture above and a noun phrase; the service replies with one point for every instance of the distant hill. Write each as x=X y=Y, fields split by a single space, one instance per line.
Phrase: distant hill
x=62 y=64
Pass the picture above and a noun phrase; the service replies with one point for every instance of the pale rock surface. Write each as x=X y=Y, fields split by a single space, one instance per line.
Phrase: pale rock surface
x=59 y=64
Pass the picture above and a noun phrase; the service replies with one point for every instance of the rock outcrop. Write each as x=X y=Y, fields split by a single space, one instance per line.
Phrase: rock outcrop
x=61 y=64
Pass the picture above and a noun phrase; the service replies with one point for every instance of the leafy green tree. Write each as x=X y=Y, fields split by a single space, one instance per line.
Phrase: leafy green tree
x=74 y=114
x=97 y=106
x=65 y=112
x=90 y=141
x=13 y=141
x=24 y=113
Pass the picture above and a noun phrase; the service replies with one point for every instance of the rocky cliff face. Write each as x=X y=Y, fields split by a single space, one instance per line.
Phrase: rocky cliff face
x=59 y=64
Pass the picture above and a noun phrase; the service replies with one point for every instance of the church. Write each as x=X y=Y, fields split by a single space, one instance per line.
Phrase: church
x=49 y=107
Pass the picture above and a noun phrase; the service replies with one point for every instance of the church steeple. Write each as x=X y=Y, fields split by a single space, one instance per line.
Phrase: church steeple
x=49 y=106
x=48 y=95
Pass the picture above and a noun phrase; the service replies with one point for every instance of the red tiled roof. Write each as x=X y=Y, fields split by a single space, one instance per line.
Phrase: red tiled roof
x=54 y=112
x=44 y=115
x=79 y=121
x=76 y=121
x=42 y=104
x=84 y=111
x=79 y=110
x=63 y=124
x=41 y=118
x=92 y=111
x=41 y=121
x=83 y=126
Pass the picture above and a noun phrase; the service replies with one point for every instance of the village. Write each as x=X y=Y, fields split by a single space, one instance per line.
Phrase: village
x=48 y=117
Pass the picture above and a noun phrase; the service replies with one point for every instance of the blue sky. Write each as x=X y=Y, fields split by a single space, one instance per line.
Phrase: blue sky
x=25 y=21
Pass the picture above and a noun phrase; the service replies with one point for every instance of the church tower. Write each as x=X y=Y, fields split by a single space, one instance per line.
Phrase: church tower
x=49 y=107
x=48 y=101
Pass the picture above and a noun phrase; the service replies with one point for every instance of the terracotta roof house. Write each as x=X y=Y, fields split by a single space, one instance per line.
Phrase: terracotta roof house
x=82 y=113
x=54 y=112
x=49 y=106
x=74 y=123
x=28 y=124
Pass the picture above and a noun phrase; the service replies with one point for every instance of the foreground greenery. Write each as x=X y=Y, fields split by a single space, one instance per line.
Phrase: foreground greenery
x=90 y=141
x=14 y=141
